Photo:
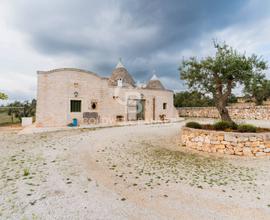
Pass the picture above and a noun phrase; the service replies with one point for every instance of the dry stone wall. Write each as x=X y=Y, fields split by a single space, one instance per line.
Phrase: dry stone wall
x=233 y=143
x=236 y=112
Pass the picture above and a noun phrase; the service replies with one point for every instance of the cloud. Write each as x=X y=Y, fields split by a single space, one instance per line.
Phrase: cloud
x=148 y=35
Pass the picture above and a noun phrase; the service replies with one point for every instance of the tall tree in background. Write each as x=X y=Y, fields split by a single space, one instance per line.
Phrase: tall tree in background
x=192 y=99
x=258 y=88
x=196 y=99
x=219 y=74
x=3 y=96
x=22 y=109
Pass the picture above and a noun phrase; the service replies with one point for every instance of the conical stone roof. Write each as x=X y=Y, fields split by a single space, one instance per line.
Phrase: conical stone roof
x=120 y=72
x=154 y=83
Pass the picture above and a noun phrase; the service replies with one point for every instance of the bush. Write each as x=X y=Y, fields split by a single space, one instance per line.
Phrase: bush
x=208 y=127
x=26 y=172
x=193 y=124
x=225 y=125
x=246 y=128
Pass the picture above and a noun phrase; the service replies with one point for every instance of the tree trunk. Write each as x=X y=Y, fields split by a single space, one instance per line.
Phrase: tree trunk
x=223 y=111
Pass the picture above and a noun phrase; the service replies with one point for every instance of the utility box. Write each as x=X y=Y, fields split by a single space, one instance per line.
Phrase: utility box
x=26 y=121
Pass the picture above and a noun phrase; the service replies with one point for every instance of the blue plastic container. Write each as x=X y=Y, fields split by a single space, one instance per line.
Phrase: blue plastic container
x=75 y=122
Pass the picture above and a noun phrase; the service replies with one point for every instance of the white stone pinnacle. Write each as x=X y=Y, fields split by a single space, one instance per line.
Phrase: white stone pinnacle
x=154 y=77
x=120 y=64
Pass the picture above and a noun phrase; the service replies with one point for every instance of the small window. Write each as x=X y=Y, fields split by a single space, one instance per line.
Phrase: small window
x=119 y=118
x=75 y=105
x=119 y=83
x=94 y=105
x=164 y=106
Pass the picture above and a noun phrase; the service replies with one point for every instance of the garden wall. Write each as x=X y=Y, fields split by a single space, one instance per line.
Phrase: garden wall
x=236 y=112
x=233 y=143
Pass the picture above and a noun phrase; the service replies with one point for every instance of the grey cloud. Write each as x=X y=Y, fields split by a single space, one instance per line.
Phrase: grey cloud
x=80 y=26
x=137 y=30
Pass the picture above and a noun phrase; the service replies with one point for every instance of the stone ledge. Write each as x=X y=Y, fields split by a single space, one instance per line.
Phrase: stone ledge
x=236 y=112
x=233 y=143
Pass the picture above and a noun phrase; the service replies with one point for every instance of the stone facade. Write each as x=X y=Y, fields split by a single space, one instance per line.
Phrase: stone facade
x=236 y=112
x=233 y=143
x=57 y=88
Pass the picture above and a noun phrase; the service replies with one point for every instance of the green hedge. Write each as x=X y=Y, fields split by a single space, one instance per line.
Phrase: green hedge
x=246 y=128
x=193 y=124
x=223 y=125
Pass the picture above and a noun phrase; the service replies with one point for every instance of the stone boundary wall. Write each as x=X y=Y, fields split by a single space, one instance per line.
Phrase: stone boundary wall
x=236 y=112
x=233 y=143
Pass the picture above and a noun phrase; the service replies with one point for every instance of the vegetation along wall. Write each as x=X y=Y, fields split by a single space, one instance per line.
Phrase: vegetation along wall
x=236 y=112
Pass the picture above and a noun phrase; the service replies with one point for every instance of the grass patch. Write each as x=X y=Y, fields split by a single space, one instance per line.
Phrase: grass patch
x=155 y=165
x=26 y=172
x=175 y=166
x=6 y=119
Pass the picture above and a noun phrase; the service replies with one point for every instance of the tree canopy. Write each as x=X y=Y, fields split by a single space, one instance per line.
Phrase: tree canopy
x=258 y=88
x=22 y=109
x=192 y=99
x=219 y=74
x=3 y=96
x=196 y=99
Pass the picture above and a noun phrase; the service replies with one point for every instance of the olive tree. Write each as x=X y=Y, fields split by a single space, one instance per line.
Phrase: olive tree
x=220 y=74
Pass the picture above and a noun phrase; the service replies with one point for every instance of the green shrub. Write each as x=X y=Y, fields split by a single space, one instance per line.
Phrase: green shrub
x=193 y=124
x=26 y=172
x=246 y=128
x=208 y=127
x=225 y=125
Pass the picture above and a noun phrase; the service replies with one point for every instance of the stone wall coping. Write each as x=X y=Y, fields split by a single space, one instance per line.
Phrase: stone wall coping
x=73 y=70
x=229 y=107
x=94 y=74
x=196 y=107
x=264 y=135
x=166 y=90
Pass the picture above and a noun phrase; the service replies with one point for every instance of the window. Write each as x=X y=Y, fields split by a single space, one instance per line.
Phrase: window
x=94 y=105
x=119 y=83
x=75 y=105
x=164 y=105
x=119 y=118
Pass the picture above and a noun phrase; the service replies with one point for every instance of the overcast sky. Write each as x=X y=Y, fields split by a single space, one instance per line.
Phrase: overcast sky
x=149 y=36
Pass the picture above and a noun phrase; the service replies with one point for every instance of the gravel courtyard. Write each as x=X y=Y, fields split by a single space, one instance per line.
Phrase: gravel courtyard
x=134 y=172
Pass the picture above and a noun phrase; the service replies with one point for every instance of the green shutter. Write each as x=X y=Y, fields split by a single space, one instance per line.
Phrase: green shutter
x=75 y=105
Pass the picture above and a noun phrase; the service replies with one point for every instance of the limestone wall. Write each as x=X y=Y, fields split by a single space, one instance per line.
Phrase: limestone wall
x=56 y=89
x=233 y=143
x=236 y=112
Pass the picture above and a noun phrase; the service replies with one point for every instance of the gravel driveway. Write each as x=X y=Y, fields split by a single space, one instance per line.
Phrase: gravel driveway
x=136 y=172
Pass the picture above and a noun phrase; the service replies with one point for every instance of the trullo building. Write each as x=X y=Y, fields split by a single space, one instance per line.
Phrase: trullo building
x=66 y=94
